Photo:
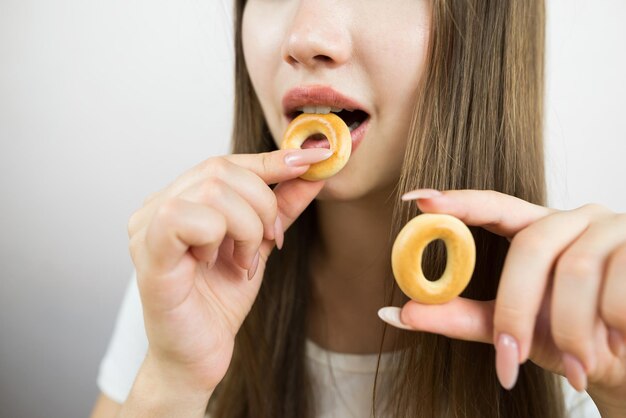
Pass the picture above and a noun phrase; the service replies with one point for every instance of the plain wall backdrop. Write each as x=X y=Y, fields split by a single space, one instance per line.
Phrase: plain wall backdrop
x=102 y=103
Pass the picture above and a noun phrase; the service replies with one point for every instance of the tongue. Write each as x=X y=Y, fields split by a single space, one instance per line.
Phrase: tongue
x=316 y=141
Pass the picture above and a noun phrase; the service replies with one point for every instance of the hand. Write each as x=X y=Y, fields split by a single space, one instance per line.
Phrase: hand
x=200 y=248
x=561 y=300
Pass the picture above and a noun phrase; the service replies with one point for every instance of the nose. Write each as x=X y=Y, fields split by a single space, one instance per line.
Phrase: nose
x=318 y=35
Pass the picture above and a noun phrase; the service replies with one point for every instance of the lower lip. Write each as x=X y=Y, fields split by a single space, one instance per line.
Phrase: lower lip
x=359 y=133
x=357 y=136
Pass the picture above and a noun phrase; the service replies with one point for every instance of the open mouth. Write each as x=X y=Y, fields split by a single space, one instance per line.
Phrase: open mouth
x=321 y=99
x=353 y=118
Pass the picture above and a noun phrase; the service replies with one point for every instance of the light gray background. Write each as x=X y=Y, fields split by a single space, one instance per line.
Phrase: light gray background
x=102 y=103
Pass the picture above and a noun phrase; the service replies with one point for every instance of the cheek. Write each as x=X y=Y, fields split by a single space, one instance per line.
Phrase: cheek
x=400 y=62
x=260 y=37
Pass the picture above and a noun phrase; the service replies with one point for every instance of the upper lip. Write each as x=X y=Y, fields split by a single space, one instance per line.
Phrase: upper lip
x=317 y=96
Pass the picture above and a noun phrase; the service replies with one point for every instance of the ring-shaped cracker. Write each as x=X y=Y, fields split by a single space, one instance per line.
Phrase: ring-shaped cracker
x=333 y=128
x=408 y=249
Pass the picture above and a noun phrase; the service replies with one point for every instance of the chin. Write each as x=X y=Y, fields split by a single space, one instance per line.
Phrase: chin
x=348 y=186
x=333 y=192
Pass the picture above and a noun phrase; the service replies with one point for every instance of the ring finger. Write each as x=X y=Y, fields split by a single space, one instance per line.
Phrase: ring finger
x=244 y=224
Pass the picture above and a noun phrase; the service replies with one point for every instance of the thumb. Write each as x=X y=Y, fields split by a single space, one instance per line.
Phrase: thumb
x=461 y=319
x=293 y=197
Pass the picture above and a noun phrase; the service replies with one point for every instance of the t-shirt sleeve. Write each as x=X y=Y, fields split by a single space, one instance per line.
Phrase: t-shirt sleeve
x=578 y=404
x=127 y=347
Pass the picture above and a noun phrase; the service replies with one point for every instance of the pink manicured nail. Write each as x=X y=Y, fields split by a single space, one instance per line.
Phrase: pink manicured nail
x=616 y=342
x=254 y=266
x=391 y=315
x=300 y=157
x=279 y=233
x=507 y=360
x=421 y=194
x=575 y=372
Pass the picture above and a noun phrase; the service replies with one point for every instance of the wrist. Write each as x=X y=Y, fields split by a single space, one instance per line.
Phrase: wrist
x=162 y=391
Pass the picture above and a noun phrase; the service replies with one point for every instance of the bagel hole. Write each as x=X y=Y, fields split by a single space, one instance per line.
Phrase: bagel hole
x=434 y=260
x=316 y=141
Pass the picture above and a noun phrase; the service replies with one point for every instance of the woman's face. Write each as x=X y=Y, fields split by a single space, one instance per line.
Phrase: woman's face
x=362 y=55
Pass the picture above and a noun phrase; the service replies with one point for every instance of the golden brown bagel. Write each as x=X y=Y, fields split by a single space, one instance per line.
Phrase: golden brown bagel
x=408 y=248
x=333 y=128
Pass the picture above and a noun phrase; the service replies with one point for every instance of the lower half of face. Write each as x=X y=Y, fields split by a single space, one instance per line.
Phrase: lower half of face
x=375 y=165
x=370 y=51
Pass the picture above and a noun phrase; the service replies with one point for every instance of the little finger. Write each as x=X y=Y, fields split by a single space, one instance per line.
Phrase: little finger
x=577 y=281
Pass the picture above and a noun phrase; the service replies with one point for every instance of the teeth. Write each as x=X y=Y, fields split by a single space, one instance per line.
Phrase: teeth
x=321 y=109
x=354 y=125
x=315 y=109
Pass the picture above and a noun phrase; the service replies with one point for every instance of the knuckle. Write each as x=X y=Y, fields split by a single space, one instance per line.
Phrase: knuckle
x=131 y=225
x=266 y=163
x=578 y=264
x=569 y=339
x=510 y=317
x=212 y=189
x=215 y=232
x=134 y=222
x=594 y=208
x=529 y=240
x=258 y=232
x=216 y=166
x=271 y=203
x=167 y=212
x=409 y=315
x=133 y=247
x=614 y=314
x=493 y=197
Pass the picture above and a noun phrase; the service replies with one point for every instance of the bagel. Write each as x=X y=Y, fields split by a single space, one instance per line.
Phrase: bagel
x=408 y=249
x=333 y=128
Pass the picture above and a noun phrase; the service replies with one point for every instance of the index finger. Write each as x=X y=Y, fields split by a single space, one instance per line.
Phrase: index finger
x=496 y=212
x=281 y=165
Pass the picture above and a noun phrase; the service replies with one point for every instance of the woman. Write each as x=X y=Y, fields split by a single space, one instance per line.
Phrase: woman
x=441 y=95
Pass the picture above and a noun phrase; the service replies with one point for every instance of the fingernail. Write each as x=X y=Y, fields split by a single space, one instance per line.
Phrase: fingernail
x=279 y=233
x=421 y=194
x=575 y=372
x=307 y=156
x=391 y=315
x=255 y=265
x=616 y=342
x=507 y=360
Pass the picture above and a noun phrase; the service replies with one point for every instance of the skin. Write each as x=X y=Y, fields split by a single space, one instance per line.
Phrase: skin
x=561 y=291
x=195 y=243
x=348 y=47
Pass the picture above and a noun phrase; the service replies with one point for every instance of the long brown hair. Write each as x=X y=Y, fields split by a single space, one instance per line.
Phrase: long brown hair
x=477 y=124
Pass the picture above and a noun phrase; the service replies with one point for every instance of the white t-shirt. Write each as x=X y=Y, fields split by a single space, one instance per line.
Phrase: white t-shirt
x=343 y=383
